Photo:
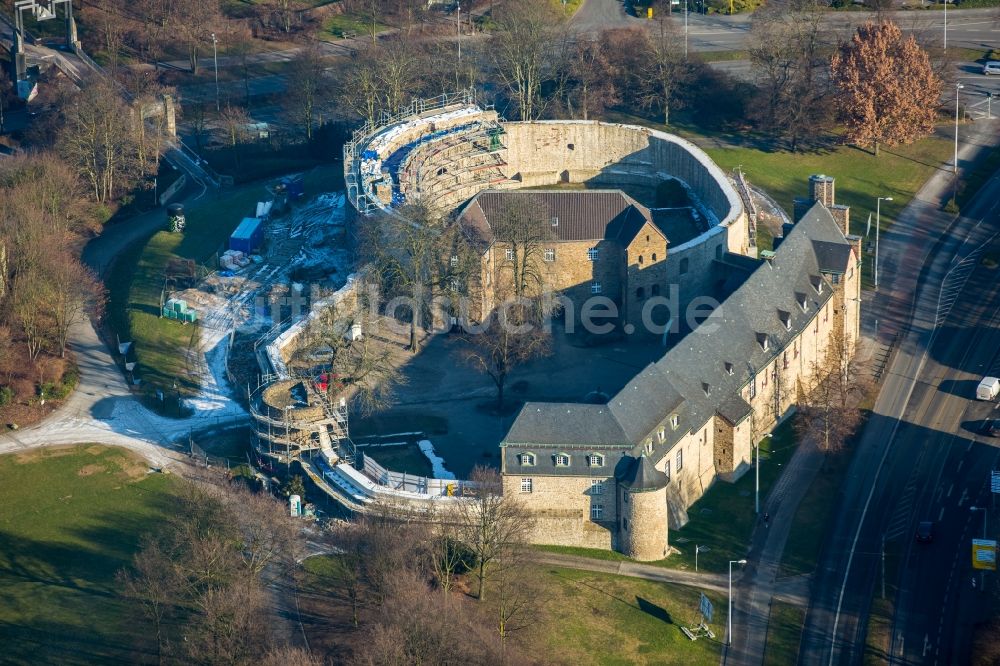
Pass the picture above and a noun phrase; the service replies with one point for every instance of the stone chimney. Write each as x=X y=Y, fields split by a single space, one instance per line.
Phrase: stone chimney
x=842 y=214
x=821 y=189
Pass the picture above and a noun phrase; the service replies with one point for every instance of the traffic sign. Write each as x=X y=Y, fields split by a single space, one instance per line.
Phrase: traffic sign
x=984 y=554
x=706 y=608
x=995 y=481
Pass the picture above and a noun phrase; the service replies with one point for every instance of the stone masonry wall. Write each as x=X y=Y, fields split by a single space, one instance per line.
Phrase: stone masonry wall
x=644 y=530
x=561 y=509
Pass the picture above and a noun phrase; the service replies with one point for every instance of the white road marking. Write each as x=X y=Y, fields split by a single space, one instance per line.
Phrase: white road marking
x=941 y=514
x=950 y=488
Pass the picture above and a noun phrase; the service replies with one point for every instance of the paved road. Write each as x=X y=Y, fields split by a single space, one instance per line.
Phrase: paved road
x=705 y=581
x=917 y=255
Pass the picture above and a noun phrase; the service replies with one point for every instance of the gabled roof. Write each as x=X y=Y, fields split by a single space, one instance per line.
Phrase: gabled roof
x=582 y=215
x=723 y=353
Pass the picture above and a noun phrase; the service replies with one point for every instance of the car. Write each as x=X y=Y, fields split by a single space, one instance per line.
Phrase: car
x=990 y=428
x=925 y=531
x=992 y=67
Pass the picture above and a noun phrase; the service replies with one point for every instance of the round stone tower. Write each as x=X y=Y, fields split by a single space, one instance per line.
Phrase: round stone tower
x=642 y=532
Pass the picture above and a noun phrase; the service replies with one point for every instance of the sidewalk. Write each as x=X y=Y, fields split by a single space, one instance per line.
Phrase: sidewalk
x=704 y=581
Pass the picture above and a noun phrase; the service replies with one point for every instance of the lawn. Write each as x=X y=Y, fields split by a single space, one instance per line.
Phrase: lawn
x=861 y=177
x=784 y=633
x=812 y=518
x=606 y=619
x=70 y=518
x=339 y=26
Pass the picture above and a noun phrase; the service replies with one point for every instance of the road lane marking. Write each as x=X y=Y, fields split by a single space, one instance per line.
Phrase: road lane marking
x=941 y=514
x=950 y=488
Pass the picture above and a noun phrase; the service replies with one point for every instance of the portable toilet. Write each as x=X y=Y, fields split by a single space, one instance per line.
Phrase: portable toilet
x=295 y=506
x=248 y=235
x=175 y=217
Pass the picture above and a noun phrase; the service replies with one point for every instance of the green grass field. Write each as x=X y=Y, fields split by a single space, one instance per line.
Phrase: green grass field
x=344 y=25
x=784 y=633
x=812 y=518
x=605 y=619
x=70 y=518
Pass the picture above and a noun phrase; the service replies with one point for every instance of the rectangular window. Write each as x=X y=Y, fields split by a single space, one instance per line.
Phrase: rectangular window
x=597 y=487
x=680 y=460
x=562 y=460
x=454 y=260
x=525 y=485
x=555 y=221
x=666 y=469
x=592 y=254
x=826 y=313
x=784 y=360
x=596 y=511
x=595 y=287
x=550 y=255
x=753 y=388
x=509 y=254
x=595 y=460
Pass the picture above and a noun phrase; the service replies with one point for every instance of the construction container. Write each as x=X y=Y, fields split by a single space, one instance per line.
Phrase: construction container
x=248 y=235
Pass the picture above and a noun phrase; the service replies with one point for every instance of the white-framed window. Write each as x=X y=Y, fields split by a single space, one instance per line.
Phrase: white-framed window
x=595 y=287
x=753 y=388
x=596 y=511
x=550 y=254
x=509 y=253
x=649 y=445
x=454 y=260
x=597 y=487
x=453 y=284
x=562 y=460
x=666 y=470
x=662 y=434
x=680 y=460
x=555 y=221
x=595 y=460
x=674 y=421
x=527 y=459
x=525 y=485
x=592 y=254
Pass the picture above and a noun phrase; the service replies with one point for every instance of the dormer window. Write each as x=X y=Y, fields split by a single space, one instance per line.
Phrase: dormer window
x=786 y=319
x=561 y=460
x=527 y=459
x=649 y=446
x=595 y=460
x=817 y=283
x=801 y=299
x=662 y=434
x=729 y=368
x=674 y=421
x=706 y=388
x=762 y=341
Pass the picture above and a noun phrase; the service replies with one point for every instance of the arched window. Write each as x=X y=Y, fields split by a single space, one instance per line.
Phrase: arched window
x=640 y=260
x=527 y=459
x=654 y=256
x=595 y=460
x=562 y=459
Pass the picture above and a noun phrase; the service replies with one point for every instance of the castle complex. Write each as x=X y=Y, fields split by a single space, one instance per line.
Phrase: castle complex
x=617 y=475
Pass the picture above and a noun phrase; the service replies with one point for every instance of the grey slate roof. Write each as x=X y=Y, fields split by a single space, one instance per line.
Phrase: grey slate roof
x=639 y=474
x=583 y=215
x=692 y=378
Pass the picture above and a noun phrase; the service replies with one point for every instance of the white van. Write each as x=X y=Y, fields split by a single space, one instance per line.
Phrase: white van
x=988 y=388
x=992 y=67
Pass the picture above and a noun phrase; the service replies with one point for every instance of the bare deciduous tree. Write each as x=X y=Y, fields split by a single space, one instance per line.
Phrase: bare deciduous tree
x=491 y=524
x=520 y=49
x=308 y=78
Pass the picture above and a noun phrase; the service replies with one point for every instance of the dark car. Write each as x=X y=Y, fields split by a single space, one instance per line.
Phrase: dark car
x=925 y=531
x=990 y=428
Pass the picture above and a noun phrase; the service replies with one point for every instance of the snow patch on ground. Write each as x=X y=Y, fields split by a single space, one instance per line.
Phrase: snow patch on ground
x=437 y=462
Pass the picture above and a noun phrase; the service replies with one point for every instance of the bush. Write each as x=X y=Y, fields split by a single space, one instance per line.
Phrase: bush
x=60 y=390
x=6 y=395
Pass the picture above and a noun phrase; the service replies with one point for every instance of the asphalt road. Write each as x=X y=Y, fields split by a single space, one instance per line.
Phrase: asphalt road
x=916 y=461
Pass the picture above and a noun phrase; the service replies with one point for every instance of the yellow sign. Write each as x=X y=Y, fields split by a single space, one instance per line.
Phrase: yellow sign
x=649 y=12
x=984 y=554
x=450 y=490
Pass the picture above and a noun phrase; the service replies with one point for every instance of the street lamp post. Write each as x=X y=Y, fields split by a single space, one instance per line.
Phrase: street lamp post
x=215 y=57
x=945 y=25
x=878 y=224
x=687 y=4
x=697 y=549
x=729 y=620
x=458 y=25
x=958 y=86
